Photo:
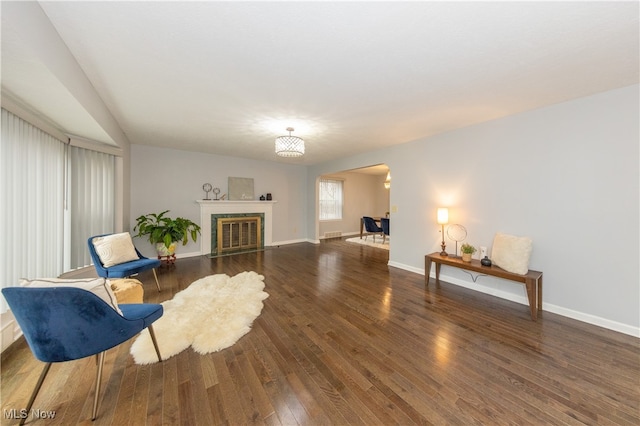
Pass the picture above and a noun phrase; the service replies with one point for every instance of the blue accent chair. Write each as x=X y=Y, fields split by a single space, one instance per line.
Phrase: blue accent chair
x=384 y=222
x=123 y=270
x=67 y=323
x=371 y=227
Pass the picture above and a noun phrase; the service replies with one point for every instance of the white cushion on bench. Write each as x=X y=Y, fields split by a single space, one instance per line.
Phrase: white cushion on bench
x=511 y=253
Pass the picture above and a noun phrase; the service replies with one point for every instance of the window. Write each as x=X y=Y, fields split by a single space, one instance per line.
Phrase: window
x=91 y=204
x=45 y=227
x=31 y=189
x=330 y=199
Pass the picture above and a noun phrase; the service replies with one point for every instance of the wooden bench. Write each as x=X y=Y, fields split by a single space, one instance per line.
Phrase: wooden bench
x=532 y=280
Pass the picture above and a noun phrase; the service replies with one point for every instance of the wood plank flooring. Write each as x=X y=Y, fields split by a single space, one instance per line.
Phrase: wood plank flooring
x=345 y=339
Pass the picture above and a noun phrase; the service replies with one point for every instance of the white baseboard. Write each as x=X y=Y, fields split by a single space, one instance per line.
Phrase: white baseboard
x=286 y=242
x=9 y=330
x=592 y=319
x=565 y=312
x=184 y=255
x=406 y=267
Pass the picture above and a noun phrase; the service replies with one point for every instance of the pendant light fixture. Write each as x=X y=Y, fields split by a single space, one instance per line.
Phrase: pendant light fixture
x=289 y=146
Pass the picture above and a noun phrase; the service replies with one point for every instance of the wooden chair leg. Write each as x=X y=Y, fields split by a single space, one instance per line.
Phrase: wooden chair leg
x=156 y=277
x=98 y=382
x=45 y=370
x=155 y=342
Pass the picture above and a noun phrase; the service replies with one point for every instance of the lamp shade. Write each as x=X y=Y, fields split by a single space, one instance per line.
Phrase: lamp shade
x=443 y=215
x=289 y=146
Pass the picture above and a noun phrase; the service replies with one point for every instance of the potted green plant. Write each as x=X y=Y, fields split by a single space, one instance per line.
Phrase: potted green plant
x=467 y=251
x=166 y=232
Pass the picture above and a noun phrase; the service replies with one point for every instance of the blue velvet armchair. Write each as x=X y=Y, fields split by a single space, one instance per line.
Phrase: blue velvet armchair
x=66 y=323
x=371 y=227
x=123 y=270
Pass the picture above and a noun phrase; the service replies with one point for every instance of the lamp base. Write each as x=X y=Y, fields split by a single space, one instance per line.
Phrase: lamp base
x=443 y=252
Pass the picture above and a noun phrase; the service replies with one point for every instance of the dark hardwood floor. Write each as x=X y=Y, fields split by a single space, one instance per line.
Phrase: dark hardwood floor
x=345 y=339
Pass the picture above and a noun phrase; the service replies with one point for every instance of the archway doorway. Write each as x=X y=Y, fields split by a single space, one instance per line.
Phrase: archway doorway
x=365 y=192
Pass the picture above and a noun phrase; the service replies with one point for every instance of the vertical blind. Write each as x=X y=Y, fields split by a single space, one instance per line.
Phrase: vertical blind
x=42 y=236
x=330 y=197
x=31 y=225
x=91 y=188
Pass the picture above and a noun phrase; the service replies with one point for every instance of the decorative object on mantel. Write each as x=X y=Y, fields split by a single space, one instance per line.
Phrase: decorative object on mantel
x=216 y=192
x=207 y=189
x=269 y=197
x=165 y=233
x=289 y=146
x=443 y=219
x=211 y=314
x=467 y=251
x=485 y=261
x=240 y=189
x=262 y=198
x=457 y=233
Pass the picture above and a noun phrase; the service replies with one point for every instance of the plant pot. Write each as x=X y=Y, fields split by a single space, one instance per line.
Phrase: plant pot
x=165 y=251
x=466 y=257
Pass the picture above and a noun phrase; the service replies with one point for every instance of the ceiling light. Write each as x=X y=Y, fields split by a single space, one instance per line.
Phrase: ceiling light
x=289 y=146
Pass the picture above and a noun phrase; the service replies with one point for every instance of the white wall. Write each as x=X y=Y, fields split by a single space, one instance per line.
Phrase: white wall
x=565 y=175
x=382 y=200
x=168 y=179
x=364 y=195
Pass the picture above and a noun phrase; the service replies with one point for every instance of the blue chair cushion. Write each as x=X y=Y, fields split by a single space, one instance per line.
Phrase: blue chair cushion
x=147 y=312
x=127 y=269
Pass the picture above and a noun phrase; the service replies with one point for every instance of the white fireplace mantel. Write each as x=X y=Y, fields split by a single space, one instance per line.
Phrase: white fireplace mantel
x=209 y=207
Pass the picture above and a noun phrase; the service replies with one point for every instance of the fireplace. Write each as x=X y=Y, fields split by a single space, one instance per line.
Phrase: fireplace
x=243 y=222
x=236 y=232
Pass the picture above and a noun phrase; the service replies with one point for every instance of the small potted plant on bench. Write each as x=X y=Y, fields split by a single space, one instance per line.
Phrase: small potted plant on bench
x=467 y=251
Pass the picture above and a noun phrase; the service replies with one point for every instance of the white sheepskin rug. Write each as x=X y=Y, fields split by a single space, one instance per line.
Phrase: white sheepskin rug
x=211 y=314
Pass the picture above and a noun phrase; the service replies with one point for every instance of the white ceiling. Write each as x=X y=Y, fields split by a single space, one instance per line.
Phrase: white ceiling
x=227 y=77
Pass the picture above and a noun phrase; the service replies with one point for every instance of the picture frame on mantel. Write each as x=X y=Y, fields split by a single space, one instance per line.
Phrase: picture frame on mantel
x=240 y=189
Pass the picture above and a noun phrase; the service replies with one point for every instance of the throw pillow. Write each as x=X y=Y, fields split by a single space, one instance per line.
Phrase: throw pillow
x=511 y=253
x=115 y=249
x=99 y=286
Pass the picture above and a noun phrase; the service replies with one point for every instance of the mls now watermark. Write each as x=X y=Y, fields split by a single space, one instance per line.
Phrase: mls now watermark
x=24 y=414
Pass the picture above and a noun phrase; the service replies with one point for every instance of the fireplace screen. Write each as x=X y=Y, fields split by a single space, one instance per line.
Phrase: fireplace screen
x=239 y=233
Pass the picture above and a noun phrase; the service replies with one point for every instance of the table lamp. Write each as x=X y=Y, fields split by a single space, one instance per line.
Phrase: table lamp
x=443 y=219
